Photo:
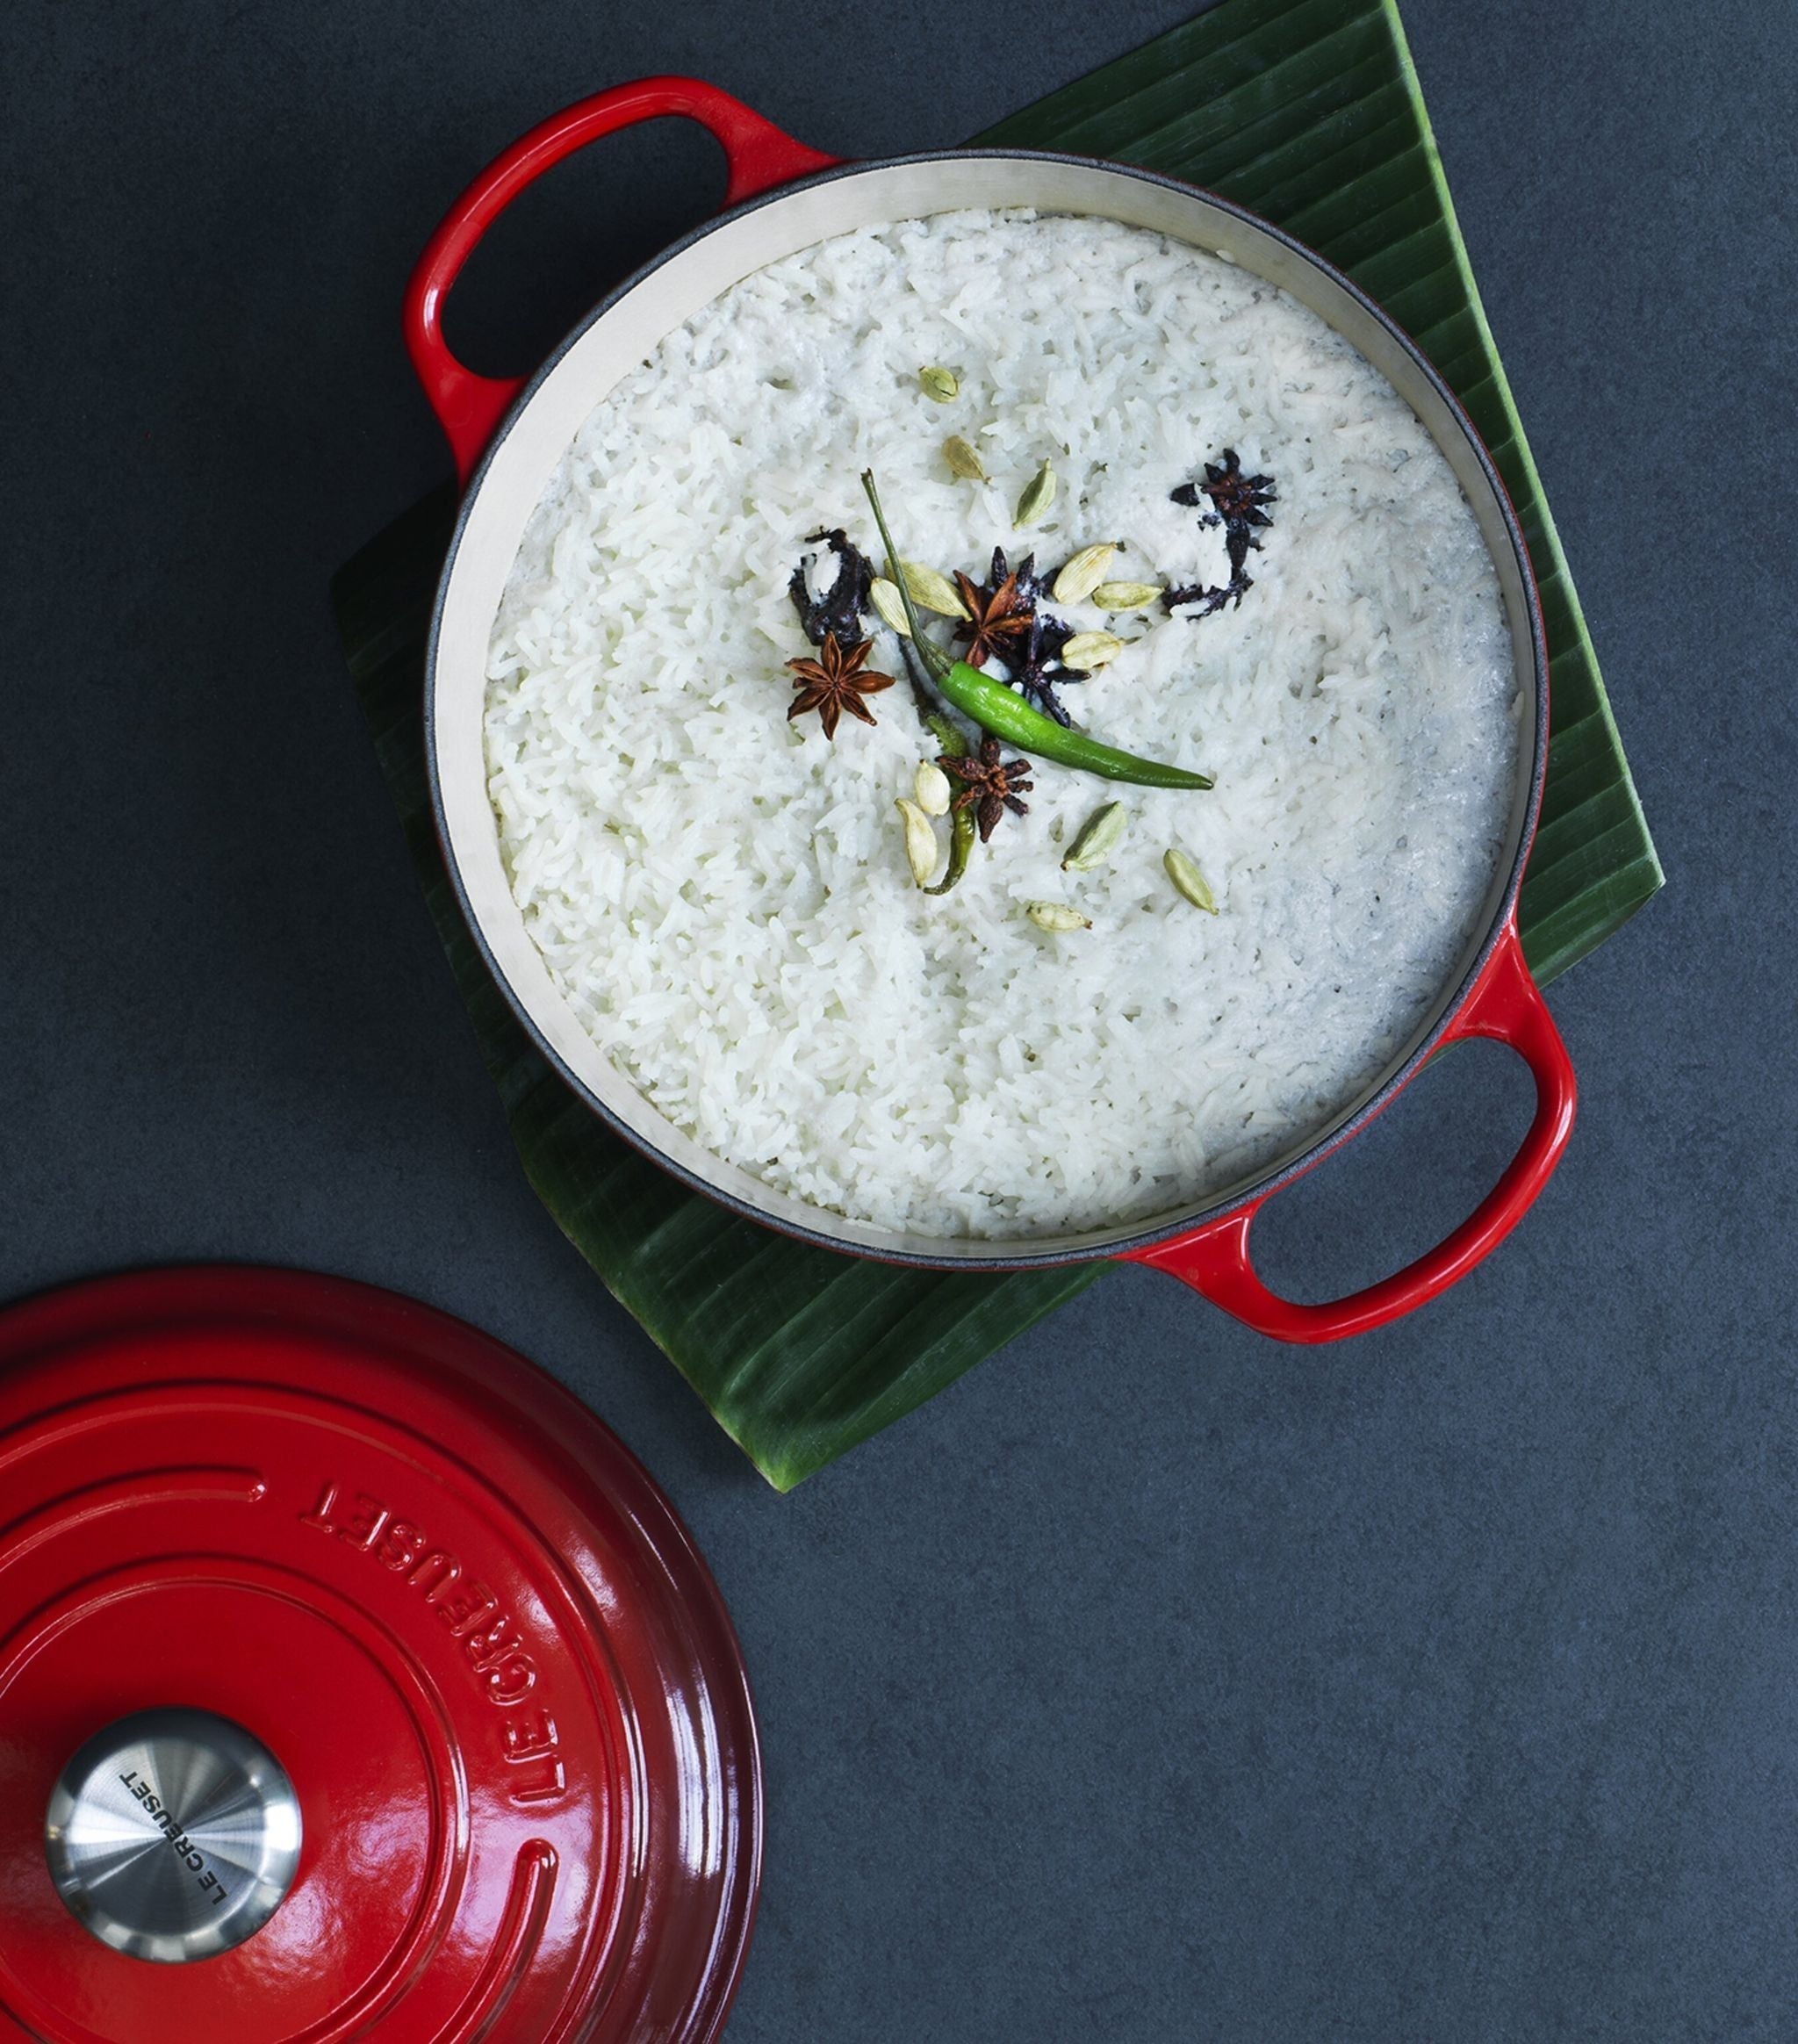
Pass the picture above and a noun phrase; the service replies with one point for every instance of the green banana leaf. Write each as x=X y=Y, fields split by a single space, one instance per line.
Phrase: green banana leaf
x=1309 y=112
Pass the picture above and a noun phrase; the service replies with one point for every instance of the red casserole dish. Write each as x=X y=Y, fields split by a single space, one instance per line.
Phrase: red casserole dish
x=507 y=436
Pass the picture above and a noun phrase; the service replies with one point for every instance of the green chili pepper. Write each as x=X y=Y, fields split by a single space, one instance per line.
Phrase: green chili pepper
x=996 y=709
x=961 y=824
x=945 y=735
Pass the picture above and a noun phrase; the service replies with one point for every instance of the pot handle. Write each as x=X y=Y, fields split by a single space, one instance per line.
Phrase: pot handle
x=470 y=407
x=1506 y=1006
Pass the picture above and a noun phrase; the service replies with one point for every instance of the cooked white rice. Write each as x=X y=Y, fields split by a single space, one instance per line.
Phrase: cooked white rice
x=724 y=896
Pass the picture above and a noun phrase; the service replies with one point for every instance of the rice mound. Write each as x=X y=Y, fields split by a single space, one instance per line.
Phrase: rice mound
x=724 y=897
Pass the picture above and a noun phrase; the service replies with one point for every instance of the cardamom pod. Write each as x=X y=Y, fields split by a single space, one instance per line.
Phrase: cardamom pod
x=1125 y=595
x=1038 y=494
x=932 y=788
x=1098 y=836
x=1088 y=650
x=1189 y=880
x=889 y=604
x=939 y=384
x=920 y=840
x=1056 y=916
x=1083 y=573
x=932 y=591
x=962 y=459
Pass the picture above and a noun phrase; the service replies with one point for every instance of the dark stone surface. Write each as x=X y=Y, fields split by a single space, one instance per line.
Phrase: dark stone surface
x=1154 y=1682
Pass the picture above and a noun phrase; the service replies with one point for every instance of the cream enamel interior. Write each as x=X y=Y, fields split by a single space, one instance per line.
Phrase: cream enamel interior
x=507 y=491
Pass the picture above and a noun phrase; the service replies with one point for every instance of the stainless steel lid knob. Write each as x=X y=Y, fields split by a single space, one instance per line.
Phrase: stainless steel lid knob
x=173 y=1835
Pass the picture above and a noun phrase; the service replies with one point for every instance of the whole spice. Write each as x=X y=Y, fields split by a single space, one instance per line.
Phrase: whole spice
x=1038 y=494
x=1125 y=595
x=940 y=383
x=989 y=785
x=1056 y=916
x=889 y=604
x=936 y=592
x=839 y=609
x=994 y=621
x=1083 y=573
x=963 y=459
x=1188 y=880
x=1088 y=650
x=1239 y=504
x=1031 y=661
x=995 y=708
x=997 y=711
x=834 y=682
x=1097 y=839
x=1031 y=586
x=931 y=785
x=1030 y=656
x=1235 y=497
x=920 y=840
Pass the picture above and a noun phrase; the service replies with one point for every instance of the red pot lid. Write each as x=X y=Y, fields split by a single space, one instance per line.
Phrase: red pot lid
x=422 y=1597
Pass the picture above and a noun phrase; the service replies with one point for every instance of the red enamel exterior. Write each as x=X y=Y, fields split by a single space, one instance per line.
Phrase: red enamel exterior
x=484 y=1650
x=757 y=154
x=1503 y=1003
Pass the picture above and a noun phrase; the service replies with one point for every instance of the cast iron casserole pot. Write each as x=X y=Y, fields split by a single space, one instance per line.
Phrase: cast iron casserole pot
x=508 y=436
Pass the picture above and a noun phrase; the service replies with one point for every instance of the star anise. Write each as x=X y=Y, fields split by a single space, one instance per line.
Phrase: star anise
x=1031 y=645
x=1031 y=586
x=1237 y=498
x=988 y=787
x=1029 y=662
x=839 y=610
x=835 y=682
x=1239 y=505
x=995 y=618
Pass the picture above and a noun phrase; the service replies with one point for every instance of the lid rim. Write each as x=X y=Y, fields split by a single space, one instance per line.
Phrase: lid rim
x=587 y=1519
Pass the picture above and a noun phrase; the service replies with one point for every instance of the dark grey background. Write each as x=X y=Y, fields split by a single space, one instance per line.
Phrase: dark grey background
x=1155 y=1682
